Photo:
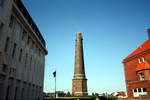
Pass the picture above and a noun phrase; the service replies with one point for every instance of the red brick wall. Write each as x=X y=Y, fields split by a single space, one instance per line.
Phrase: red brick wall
x=84 y=86
x=130 y=73
x=147 y=74
x=77 y=86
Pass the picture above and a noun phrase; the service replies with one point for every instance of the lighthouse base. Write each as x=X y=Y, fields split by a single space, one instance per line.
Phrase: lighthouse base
x=79 y=87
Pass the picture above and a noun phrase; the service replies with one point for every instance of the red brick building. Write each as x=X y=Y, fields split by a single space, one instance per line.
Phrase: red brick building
x=137 y=71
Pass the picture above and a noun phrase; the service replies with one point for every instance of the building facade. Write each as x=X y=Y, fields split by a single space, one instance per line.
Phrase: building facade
x=22 y=54
x=137 y=71
x=79 y=81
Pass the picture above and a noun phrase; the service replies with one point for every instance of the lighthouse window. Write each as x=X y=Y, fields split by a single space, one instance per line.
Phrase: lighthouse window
x=143 y=59
x=139 y=60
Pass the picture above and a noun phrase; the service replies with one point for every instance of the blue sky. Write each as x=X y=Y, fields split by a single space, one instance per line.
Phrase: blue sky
x=111 y=29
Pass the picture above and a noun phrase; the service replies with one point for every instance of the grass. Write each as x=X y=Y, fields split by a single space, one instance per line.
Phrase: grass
x=70 y=98
x=80 y=98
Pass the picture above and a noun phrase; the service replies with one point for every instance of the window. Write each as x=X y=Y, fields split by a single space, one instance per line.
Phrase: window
x=34 y=29
x=20 y=56
x=22 y=94
x=26 y=61
x=15 y=1
x=11 y=21
x=23 y=34
x=28 y=93
x=139 y=89
x=139 y=60
x=8 y=93
x=28 y=41
x=31 y=63
x=1 y=90
x=135 y=90
x=14 y=50
x=7 y=45
x=16 y=93
x=4 y=68
x=143 y=59
x=1 y=27
x=141 y=76
x=12 y=72
x=30 y=22
x=27 y=17
x=144 y=89
x=2 y=3
x=33 y=94
x=32 y=45
x=22 y=10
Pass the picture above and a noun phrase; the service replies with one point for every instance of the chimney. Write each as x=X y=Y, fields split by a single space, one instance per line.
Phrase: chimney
x=148 y=30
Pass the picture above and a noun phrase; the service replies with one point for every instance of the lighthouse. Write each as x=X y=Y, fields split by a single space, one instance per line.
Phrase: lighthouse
x=79 y=81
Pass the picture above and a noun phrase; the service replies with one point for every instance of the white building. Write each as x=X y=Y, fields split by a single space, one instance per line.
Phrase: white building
x=22 y=53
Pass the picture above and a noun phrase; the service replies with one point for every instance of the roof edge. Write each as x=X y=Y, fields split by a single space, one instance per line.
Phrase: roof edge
x=142 y=70
x=124 y=60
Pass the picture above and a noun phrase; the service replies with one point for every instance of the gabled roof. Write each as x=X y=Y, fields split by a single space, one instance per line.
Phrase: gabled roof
x=142 y=66
x=145 y=46
x=121 y=94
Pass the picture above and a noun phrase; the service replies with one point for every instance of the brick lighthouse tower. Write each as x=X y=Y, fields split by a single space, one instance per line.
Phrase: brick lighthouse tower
x=79 y=81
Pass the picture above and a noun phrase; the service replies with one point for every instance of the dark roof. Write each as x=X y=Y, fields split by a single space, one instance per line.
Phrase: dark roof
x=29 y=19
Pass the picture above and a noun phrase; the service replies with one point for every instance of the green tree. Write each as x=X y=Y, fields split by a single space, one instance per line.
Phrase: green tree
x=68 y=94
x=96 y=94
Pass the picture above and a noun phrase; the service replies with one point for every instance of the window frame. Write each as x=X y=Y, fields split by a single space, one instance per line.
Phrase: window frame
x=142 y=76
x=140 y=61
x=143 y=58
